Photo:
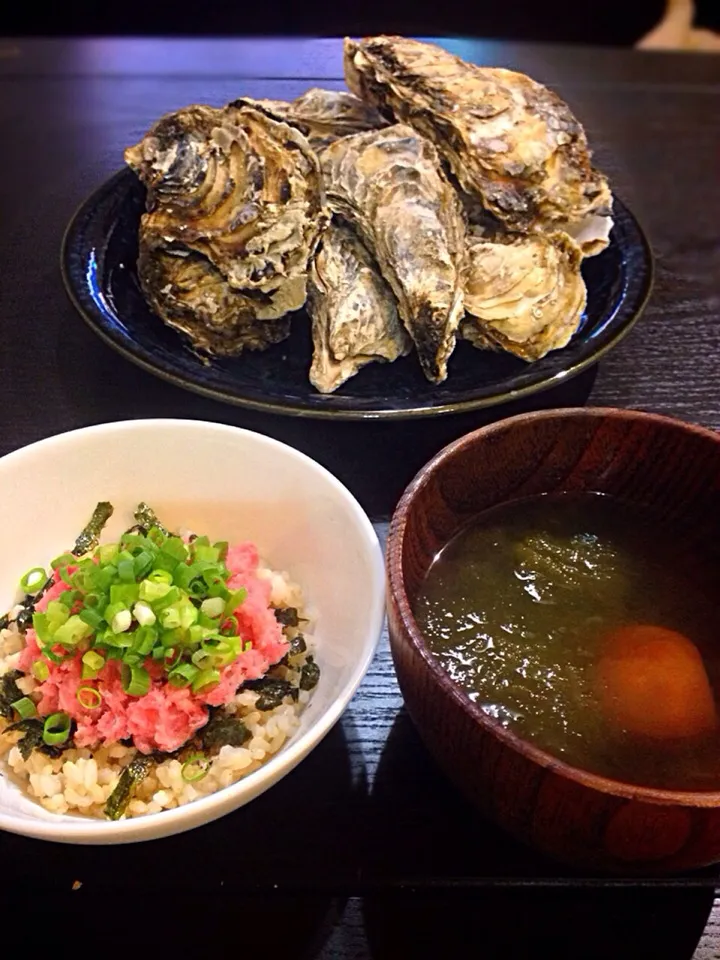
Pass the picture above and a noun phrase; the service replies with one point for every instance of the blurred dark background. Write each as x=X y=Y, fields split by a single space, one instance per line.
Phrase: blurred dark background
x=612 y=22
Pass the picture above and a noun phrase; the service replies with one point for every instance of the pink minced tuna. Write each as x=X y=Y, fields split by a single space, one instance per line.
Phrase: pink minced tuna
x=166 y=717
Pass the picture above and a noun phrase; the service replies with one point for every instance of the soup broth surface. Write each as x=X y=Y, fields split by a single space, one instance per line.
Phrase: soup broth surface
x=581 y=623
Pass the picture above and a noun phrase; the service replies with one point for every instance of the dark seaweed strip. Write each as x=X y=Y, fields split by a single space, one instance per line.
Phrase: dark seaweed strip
x=272 y=691
x=146 y=518
x=133 y=774
x=287 y=616
x=9 y=692
x=297 y=645
x=5 y=622
x=309 y=675
x=32 y=739
x=88 y=539
x=221 y=731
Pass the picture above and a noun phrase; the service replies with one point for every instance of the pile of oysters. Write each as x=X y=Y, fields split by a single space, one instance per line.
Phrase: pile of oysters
x=436 y=200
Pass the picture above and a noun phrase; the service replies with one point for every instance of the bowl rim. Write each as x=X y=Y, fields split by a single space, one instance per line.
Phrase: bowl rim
x=397 y=596
x=205 y=809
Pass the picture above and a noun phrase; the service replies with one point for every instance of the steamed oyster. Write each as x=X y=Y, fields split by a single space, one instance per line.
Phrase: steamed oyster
x=186 y=291
x=388 y=183
x=239 y=193
x=353 y=311
x=325 y=115
x=525 y=294
x=511 y=143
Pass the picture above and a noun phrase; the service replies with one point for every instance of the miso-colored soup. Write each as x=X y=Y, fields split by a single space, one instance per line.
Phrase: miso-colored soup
x=585 y=625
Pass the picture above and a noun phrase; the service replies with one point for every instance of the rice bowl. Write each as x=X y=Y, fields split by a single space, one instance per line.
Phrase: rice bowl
x=295 y=511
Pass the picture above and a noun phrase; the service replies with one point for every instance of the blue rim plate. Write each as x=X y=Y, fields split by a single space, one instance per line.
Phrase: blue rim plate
x=98 y=258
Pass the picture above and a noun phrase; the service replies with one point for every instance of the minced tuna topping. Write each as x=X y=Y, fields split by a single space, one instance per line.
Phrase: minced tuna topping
x=143 y=643
x=166 y=716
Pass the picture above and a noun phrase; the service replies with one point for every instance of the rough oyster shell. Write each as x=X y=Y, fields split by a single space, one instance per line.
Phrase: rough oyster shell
x=354 y=317
x=388 y=183
x=511 y=143
x=188 y=293
x=325 y=115
x=525 y=294
x=241 y=189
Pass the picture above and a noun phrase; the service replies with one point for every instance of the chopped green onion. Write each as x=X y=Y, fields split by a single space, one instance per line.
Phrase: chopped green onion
x=183 y=675
x=144 y=613
x=33 y=580
x=144 y=640
x=40 y=670
x=107 y=553
x=222 y=548
x=161 y=576
x=126 y=569
x=153 y=592
x=143 y=563
x=213 y=607
x=236 y=598
x=24 y=707
x=135 y=680
x=91 y=617
x=56 y=729
x=247 y=646
x=64 y=560
x=124 y=594
x=121 y=621
x=204 y=679
x=93 y=660
x=71 y=632
x=88 y=697
x=195 y=768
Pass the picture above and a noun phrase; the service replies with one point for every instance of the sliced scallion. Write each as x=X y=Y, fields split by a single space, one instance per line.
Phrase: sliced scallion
x=56 y=729
x=135 y=680
x=88 y=697
x=40 y=670
x=195 y=768
x=33 y=580
x=24 y=708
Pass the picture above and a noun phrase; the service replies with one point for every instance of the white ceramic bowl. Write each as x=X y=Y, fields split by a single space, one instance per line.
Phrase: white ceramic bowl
x=233 y=485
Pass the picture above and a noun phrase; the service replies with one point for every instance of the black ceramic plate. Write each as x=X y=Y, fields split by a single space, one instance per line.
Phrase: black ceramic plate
x=98 y=262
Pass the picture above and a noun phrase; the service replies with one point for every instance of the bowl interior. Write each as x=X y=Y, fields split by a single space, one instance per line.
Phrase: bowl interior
x=228 y=483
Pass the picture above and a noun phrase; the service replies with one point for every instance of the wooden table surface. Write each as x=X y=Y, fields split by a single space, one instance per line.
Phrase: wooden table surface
x=367 y=815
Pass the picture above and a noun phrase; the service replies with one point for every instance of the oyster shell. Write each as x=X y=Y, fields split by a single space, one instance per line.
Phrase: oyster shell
x=242 y=191
x=388 y=183
x=325 y=115
x=512 y=144
x=354 y=317
x=526 y=295
x=188 y=293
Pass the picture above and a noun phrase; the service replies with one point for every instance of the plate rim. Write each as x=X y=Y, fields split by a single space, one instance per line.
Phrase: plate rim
x=294 y=409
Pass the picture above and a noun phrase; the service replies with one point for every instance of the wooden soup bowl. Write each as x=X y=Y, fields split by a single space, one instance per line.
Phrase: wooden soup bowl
x=568 y=813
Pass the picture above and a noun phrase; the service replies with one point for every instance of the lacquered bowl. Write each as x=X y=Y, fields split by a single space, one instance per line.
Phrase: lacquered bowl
x=578 y=817
x=233 y=485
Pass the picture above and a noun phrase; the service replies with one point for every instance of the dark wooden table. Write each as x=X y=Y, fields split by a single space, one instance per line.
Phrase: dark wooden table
x=367 y=815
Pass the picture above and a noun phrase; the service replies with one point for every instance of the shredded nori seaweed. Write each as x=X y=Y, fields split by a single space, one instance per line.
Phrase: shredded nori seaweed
x=9 y=692
x=221 y=731
x=133 y=774
x=5 y=622
x=272 y=691
x=297 y=645
x=287 y=616
x=146 y=518
x=310 y=674
x=32 y=729
x=89 y=537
